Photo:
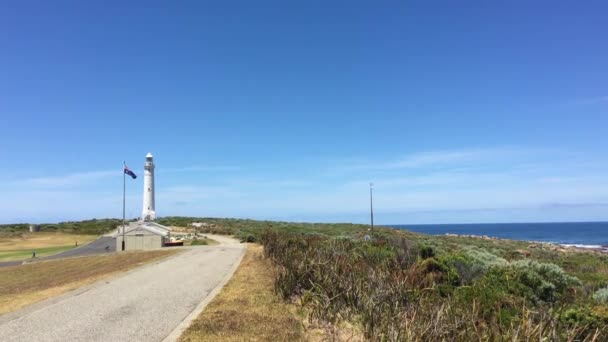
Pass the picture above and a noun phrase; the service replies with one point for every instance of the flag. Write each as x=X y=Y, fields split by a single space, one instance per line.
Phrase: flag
x=129 y=172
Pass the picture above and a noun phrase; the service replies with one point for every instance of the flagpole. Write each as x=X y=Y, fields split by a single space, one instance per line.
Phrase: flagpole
x=371 y=205
x=124 y=187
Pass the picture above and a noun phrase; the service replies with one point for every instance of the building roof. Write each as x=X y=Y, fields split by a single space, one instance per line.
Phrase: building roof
x=158 y=226
x=152 y=227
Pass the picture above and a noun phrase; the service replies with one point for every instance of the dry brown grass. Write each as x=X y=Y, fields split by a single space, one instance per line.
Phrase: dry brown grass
x=26 y=284
x=247 y=309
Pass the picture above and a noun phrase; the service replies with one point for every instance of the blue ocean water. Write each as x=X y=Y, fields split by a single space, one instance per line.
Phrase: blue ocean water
x=591 y=234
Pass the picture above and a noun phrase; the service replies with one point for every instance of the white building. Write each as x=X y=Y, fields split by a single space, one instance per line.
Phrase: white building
x=149 y=212
x=144 y=234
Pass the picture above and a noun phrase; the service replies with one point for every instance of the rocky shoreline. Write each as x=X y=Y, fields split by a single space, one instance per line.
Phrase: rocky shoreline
x=540 y=244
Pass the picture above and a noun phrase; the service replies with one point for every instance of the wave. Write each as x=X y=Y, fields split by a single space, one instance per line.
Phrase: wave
x=577 y=245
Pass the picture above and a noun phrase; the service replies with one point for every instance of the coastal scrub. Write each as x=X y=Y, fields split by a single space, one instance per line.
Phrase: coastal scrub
x=395 y=288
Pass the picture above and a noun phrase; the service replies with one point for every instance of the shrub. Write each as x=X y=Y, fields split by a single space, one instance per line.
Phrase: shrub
x=426 y=252
x=463 y=266
x=396 y=291
x=472 y=263
x=373 y=254
x=406 y=251
x=545 y=280
x=601 y=296
x=484 y=259
x=199 y=243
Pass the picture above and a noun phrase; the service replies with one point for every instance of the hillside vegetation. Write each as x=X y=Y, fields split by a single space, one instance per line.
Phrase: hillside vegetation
x=402 y=286
x=86 y=227
x=252 y=229
x=396 y=288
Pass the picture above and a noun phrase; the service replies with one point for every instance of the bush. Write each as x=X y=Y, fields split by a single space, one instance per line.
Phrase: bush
x=432 y=272
x=593 y=317
x=545 y=280
x=601 y=296
x=484 y=259
x=426 y=252
x=396 y=291
x=472 y=263
x=199 y=242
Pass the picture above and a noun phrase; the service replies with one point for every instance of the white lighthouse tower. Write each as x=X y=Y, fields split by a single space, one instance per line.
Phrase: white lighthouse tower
x=148 y=212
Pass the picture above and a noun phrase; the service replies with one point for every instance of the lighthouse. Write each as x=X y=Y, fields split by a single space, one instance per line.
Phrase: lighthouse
x=148 y=212
x=144 y=234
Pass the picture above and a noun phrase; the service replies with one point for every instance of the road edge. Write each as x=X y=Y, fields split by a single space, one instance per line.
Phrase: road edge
x=28 y=309
x=181 y=327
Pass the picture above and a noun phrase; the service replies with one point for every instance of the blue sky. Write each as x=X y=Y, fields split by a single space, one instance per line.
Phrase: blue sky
x=481 y=111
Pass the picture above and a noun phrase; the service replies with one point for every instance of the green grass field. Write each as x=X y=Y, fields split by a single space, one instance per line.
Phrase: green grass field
x=26 y=254
x=19 y=246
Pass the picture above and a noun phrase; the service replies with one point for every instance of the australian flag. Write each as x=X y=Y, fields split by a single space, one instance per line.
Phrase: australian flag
x=129 y=172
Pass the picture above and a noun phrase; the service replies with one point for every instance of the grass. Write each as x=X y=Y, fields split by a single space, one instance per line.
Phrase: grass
x=201 y=242
x=19 y=246
x=27 y=253
x=248 y=309
x=27 y=284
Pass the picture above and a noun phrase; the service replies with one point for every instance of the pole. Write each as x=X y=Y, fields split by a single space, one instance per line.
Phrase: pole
x=124 y=187
x=371 y=206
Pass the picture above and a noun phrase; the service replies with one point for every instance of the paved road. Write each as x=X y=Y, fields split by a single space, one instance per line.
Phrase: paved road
x=105 y=244
x=145 y=304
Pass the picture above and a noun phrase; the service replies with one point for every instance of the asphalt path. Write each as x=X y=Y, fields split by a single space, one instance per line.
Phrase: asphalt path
x=105 y=244
x=145 y=304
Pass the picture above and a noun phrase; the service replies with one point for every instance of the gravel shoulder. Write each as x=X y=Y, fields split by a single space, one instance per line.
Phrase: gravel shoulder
x=145 y=304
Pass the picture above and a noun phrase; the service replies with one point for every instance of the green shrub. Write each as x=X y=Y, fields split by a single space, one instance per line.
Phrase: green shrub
x=545 y=280
x=466 y=268
x=199 y=242
x=578 y=315
x=426 y=252
x=394 y=290
x=484 y=259
x=11 y=228
x=601 y=296
x=472 y=263
x=434 y=271
x=373 y=254
x=592 y=317
x=493 y=293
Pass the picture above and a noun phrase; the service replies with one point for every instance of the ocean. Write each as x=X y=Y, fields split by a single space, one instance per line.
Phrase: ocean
x=580 y=234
